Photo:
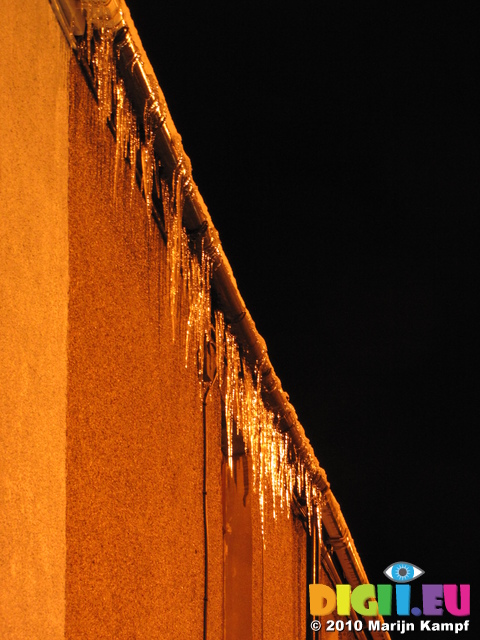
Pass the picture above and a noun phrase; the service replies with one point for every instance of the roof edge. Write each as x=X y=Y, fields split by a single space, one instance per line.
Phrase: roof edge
x=148 y=96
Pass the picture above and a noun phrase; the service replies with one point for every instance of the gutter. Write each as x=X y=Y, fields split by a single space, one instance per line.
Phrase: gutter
x=147 y=97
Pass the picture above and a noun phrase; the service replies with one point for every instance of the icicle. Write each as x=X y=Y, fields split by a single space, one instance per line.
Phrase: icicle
x=133 y=147
x=231 y=391
x=261 y=481
x=148 y=160
x=176 y=241
x=122 y=128
x=87 y=8
x=104 y=64
x=104 y=69
x=220 y=345
x=121 y=140
x=276 y=473
x=204 y=314
x=127 y=138
x=308 y=499
x=318 y=512
x=189 y=277
x=199 y=306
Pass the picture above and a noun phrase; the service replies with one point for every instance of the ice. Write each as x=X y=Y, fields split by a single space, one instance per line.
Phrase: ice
x=126 y=132
x=104 y=65
x=276 y=468
x=219 y=345
x=172 y=198
x=102 y=61
x=280 y=476
x=148 y=159
x=198 y=276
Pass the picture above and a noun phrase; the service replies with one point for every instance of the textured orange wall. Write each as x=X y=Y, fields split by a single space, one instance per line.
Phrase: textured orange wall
x=265 y=574
x=238 y=549
x=280 y=576
x=135 y=538
x=116 y=548
x=33 y=320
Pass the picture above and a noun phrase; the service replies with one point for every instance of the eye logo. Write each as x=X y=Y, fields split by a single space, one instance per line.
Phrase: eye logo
x=403 y=572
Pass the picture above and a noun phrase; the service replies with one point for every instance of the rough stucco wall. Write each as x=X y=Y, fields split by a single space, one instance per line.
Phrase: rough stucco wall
x=33 y=320
x=238 y=551
x=214 y=488
x=279 y=576
x=135 y=537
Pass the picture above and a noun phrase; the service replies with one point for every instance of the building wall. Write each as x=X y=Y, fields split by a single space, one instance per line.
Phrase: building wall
x=135 y=524
x=281 y=576
x=103 y=426
x=135 y=537
x=265 y=565
x=33 y=320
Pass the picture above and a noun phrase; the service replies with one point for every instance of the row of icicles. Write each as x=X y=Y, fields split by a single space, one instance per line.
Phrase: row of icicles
x=278 y=473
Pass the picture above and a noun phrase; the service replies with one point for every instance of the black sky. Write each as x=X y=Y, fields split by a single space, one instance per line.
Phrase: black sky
x=336 y=147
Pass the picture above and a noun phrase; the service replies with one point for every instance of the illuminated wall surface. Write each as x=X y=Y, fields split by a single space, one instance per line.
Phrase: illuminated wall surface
x=34 y=280
x=122 y=387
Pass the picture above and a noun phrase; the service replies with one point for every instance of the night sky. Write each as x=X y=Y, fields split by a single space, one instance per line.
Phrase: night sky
x=336 y=147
